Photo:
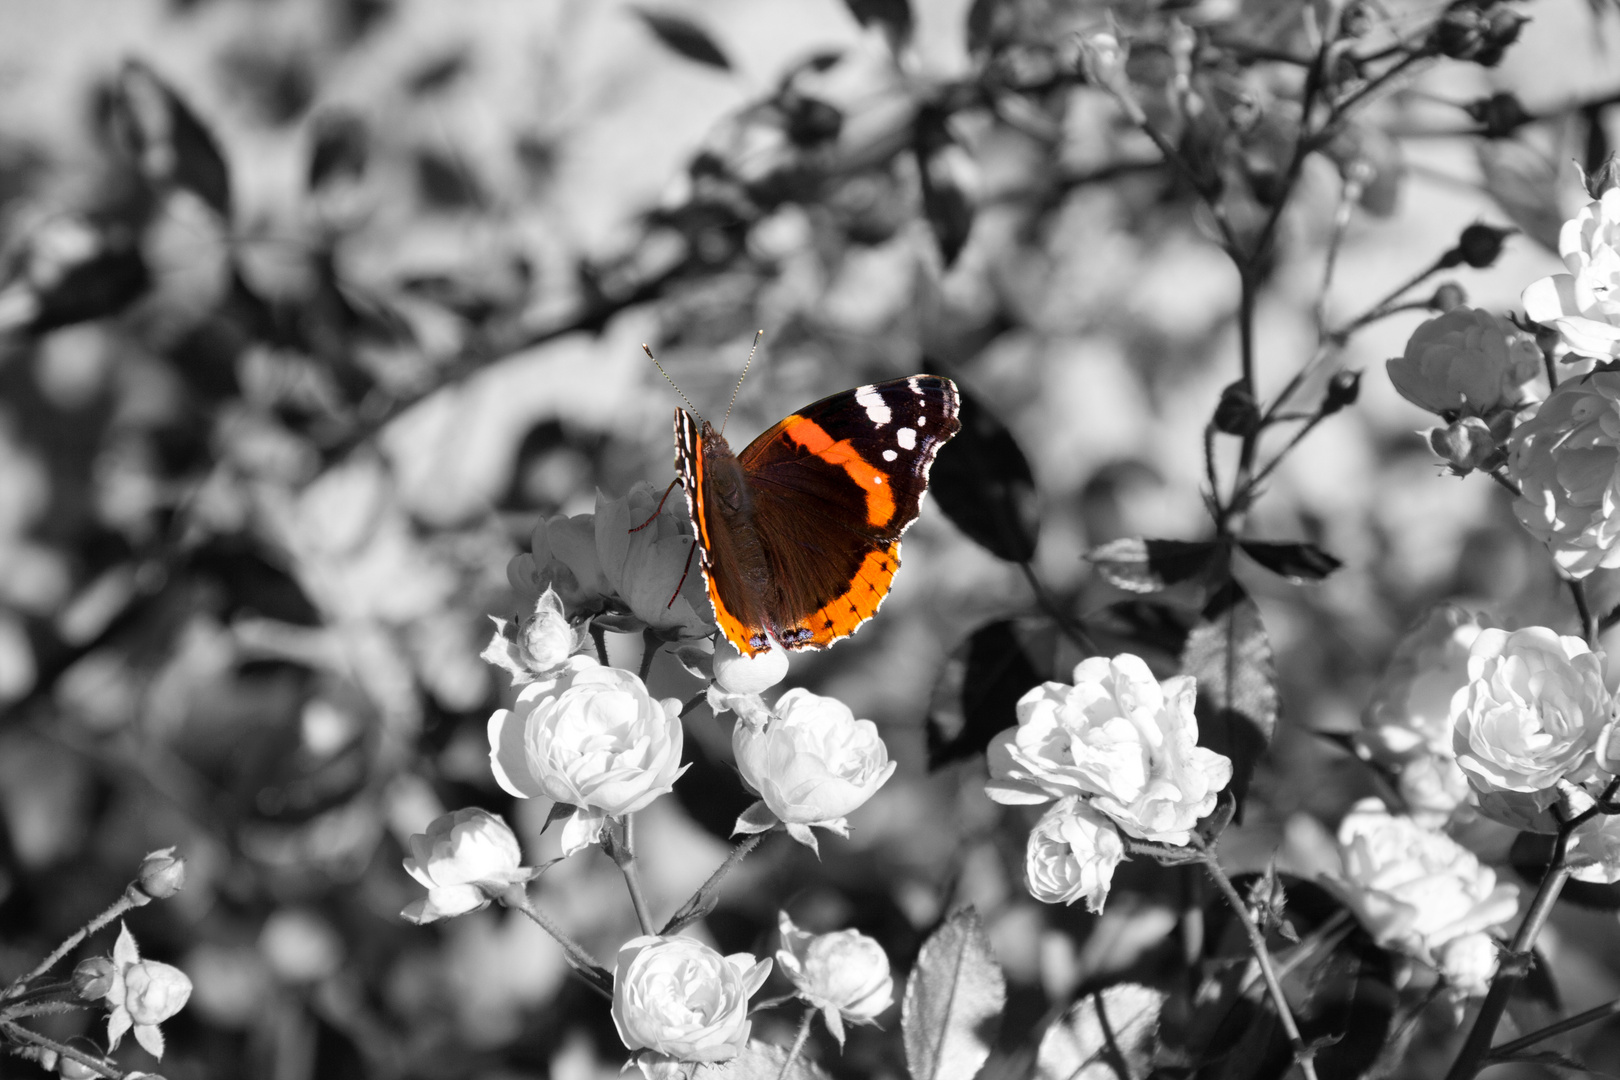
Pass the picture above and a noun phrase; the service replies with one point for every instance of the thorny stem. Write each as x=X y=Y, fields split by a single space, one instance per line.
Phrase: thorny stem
x=798 y=1044
x=1304 y=1056
x=96 y=1065
x=649 y=649
x=593 y=973
x=1589 y=623
x=1504 y=480
x=625 y=856
x=599 y=638
x=690 y=910
x=118 y=907
x=1071 y=629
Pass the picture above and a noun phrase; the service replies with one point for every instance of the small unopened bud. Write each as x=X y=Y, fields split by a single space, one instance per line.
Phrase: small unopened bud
x=1466 y=444
x=1481 y=244
x=93 y=978
x=1500 y=115
x=1478 y=31
x=1448 y=296
x=163 y=873
x=1342 y=391
x=1237 y=413
x=1604 y=178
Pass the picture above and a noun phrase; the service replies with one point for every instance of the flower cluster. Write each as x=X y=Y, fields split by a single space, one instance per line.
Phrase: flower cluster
x=1118 y=750
x=1419 y=891
x=1406 y=727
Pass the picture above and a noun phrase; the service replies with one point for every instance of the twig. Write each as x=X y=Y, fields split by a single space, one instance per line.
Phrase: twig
x=1589 y=623
x=689 y=910
x=122 y=904
x=1071 y=629
x=1590 y=1016
x=1304 y=1056
x=649 y=649
x=34 y=1038
x=599 y=639
x=798 y=1044
x=625 y=855
x=593 y=973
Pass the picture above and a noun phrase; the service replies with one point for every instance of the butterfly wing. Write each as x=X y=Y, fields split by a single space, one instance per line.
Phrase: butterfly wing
x=833 y=487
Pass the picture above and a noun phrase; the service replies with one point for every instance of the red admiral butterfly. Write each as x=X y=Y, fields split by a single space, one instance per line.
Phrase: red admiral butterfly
x=800 y=533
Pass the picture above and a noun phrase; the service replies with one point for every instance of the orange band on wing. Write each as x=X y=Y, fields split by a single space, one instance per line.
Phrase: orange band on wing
x=735 y=631
x=879 y=499
x=870 y=585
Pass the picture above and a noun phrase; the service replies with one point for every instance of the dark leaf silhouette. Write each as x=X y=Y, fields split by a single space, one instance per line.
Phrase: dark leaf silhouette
x=893 y=15
x=984 y=485
x=1147 y=566
x=168 y=140
x=341 y=148
x=1299 y=562
x=1230 y=656
x=682 y=35
x=977 y=692
x=1155 y=632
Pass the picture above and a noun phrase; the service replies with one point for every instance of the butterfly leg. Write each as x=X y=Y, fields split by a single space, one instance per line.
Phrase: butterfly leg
x=660 y=510
x=689 y=553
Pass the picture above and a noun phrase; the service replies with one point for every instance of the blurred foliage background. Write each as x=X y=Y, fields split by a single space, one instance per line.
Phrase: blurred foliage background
x=313 y=308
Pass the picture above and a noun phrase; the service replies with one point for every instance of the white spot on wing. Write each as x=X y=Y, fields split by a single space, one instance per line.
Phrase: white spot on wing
x=872 y=401
x=916 y=387
x=922 y=421
x=907 y=438
x=889 y=455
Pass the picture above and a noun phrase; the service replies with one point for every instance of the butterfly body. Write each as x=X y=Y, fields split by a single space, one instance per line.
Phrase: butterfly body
x=800 y=533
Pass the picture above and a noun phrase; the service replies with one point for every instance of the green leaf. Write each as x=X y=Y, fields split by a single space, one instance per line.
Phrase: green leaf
x=953 y=1001
x=1109 y=1034
x=1298 y=562
x=1230 y=656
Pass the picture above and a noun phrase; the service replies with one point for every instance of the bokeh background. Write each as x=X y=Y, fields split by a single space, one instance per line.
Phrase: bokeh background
x=312 y=309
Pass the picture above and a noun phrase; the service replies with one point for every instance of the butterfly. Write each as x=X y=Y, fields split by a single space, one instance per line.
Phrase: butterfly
x=799 y=535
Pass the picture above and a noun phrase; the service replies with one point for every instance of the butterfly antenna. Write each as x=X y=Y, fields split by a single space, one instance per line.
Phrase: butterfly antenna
x=740 y=379
x=646 y=349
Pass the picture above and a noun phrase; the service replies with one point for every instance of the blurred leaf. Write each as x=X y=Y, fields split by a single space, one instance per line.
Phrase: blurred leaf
x=1298 y=562
x=438 y=73
x=1531 y=855
x=684 y=36
x=342 y=145
x=446 y=182
x=763 y=1061
x=169 y=142
x=103 y=284
x=1230 y=656
x=984 y=485
x=976 y=694
x=953 y=1002
x=945 y=203
x=1110 y=1034
x=1148 y=566
x=1155 y=632
x=893 y=15
x=1525 y=183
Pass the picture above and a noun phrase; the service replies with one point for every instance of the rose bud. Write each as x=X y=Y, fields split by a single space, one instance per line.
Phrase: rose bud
x=163 y=873
x=845 y=974
x=93 y=978
x=464 y=859
x=1071 y=855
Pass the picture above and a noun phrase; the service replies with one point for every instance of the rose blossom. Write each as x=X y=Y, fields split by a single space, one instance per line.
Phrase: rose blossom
x=1413 y=888
x=845 y=974
x=463 y=860
x=591 y=737
x=1120 y=736
x=1071 y=854
x=535 y=645
x=1530 y=715
x=811 y=762
x=1566 y=459
x=1469 y=963
x=1406 y=727
x=1465 y=360
x=143 y=994
x=1583 y=305
x=682 y=1001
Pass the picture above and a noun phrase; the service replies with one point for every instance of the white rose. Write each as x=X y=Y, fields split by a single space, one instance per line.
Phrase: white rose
x=1071 y=854
x=1119 y=735
x=591 y=737
x=464 y=859
x=1566 y=459
x=1413 y=888
x=1469 y=963
x=1530 y=714
x=812 y=764
x=1594 y=850
x=844 y=974
x=1406 y=727
x=1584 y=304
x=1466 y=360
x=682 y=1001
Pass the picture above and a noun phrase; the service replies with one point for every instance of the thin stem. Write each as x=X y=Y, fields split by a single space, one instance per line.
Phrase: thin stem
x=1504 y=480
x=798 y=1044
x=599 y=637
x=649 y=649
x=1304 y=1056
x=1589 y=624
x=593 y=973
x=1590 y=1016
x=118 y=907
x=625 y=856
x=1271 y=466
x=689 y=911
x=34 y=1038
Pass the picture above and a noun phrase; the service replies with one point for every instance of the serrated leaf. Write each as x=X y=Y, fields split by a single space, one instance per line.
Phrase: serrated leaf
x=983 y=483
x=953 y=1002
x=1139 y=565
x=977 y=693
x=1110 y=1034
x=1297 y=561
x=1230 y=656
x=763 y=1061
x=683 y=36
